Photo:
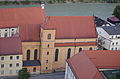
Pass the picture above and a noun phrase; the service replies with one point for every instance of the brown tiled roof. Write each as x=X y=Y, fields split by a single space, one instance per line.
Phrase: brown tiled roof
x=30 y=32
x=83 y=68
x=85 y=63
x=10 y=46
x=72 y=26
x=104 y=59
x=76 y=44
x=26 y=15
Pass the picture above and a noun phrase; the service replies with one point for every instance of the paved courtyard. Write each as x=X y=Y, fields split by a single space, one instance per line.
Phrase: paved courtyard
x=57 y=75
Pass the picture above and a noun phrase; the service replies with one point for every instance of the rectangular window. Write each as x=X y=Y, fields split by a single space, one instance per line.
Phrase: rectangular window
x=10 y=71
x=2 y=58
x=2 y=72
x=11 y=57
x=2 y=65
x=17 y=57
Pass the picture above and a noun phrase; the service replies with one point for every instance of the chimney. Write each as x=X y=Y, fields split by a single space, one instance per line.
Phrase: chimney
x=42 y=4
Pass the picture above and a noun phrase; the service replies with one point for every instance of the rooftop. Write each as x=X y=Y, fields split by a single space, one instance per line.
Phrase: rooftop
x=88 y=62
x=72 y=26
x=112 y=30
x=10 y=46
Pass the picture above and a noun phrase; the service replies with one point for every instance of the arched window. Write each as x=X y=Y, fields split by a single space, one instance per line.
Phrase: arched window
x=35 y=54
x=90 y=48
x=56 y=54
x=28 y=55
x=80 y=49
x=69 y=53
x=49 y=36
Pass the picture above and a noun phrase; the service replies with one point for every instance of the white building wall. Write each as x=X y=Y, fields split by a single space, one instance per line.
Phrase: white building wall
x=7 y=70
x=68 y=73
x=8 y=32
x=110 y=42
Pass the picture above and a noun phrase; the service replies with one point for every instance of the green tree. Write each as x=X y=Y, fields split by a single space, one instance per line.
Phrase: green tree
x=116 y=11
x=23 y=74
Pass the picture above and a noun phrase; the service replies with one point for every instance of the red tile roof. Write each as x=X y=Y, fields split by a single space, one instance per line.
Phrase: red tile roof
x=84 y=65
x=76 y=44
x=30 y=32
x=26 y=15
x=10 y=46
x=110 y=58
x=83 y=68
x=72 y=26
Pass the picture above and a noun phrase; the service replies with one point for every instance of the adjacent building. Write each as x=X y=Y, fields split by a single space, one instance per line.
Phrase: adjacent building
x=93 y=64
x=10 y=56
x=109 y=37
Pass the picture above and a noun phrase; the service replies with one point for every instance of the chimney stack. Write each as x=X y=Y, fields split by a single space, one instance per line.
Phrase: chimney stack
x=42 y=4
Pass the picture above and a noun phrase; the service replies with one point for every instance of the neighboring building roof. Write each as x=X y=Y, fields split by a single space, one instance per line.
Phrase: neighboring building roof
x=24 y=15
x=112 y=30
x=72 y=26
x=100 y=22
x=31 y=63
x=76 y=44
x=10 y=46
x=30 y=32
x=113 y=20
x=83 y=68
x=84 y=64
x=104 y=58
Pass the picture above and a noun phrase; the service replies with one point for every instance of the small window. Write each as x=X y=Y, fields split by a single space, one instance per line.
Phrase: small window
x=49 y=36
x=116 y=48
x=17 y=57
x=48 y=45
x=90 y=48
x=12 y=29
x=112 y=36
x=11 y=57
x=5 y=30
x=46 y=61
x=17 y=64
x=12 y=34
x=17 y=71
x=5 y=35
x=47 y=53
x=46 y=68
x=112 y=43
x=10 y=71
x=116 y=43
x=2 y=58
x=2 y=72
x=2 y=65
x=10 y=65
x=34 y=69
x=112 y=49
x=80 y=49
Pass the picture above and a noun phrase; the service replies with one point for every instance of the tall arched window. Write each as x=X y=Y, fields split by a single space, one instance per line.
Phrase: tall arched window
x=35 y=54
x=69 y=53
x=80 y=49
x=28 y=55
x=49 y=36
x=56 y=54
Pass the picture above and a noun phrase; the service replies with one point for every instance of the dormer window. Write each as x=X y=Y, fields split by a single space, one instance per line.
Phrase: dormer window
x=49 y=36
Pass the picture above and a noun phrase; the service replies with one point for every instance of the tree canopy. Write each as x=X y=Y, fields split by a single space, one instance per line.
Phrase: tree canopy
x=23 y=74
x=116 y=11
